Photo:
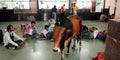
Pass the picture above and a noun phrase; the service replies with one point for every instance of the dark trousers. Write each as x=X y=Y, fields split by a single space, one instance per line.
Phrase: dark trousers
x=42 y=37
x=35 y=35
x=50 y=35
x=11 y=45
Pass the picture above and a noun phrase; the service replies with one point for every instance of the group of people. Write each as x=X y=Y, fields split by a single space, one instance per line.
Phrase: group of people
x=93 y=33
x=57 y=14
x=10 y=38
x=30 y=30
x=47 y=32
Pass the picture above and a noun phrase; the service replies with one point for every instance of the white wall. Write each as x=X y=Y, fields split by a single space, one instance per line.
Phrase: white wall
x=107 y=3
x=117 y=14
x=111 y=4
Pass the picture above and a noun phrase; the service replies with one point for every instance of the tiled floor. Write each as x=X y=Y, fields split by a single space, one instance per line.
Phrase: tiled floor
x=37 y=49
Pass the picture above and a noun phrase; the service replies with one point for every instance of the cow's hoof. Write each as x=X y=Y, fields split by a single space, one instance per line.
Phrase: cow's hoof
x=62 y=59
x=68 y=52
x=80 y=44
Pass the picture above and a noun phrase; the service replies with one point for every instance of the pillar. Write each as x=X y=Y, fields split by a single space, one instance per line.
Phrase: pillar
x=117 y=13
x=112 y=50
x=72 y=1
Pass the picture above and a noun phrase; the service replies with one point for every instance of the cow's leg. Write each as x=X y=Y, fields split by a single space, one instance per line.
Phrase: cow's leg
x=80 y=40
x=62 y=54
x=74 y=45
x=68 y=46
x=62 y=49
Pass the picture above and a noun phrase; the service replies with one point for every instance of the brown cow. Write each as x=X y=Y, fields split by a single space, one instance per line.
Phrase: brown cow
x=64 y=33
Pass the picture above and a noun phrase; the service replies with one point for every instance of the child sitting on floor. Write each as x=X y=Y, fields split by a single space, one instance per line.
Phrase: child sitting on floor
x=44 y=32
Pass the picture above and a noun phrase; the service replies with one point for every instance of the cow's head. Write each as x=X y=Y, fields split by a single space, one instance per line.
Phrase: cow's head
x=60 y=34
x=57 y=34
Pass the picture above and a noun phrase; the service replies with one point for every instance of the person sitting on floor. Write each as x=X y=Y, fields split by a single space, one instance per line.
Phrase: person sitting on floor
x=31 y=30
x=50 y=31
x=103 y=17
x=9 y=41
x=51 y=21
x=102 y=35
x=23 y=30
x=85 y=32
x=44 y=33
x=93 y=32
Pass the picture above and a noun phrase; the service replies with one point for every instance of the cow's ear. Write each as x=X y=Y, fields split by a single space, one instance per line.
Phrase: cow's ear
x=68 y=30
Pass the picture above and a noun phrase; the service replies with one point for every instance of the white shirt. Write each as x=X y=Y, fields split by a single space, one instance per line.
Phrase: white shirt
x=52 y=21
x=7 y=38
x=95 y=33
x=45 y=32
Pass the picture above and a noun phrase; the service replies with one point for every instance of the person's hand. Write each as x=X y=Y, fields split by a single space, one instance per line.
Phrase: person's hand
x=23 y=42
x=18 y=47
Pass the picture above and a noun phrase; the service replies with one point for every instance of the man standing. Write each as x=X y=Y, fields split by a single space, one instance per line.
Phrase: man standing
x=54 y=11
x=74 y=9
x=62 y=14
x=62 y=10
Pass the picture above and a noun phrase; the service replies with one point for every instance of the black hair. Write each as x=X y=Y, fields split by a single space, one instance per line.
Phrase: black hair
x=9 y=26
x=63 y=4
x=33 y=22
x=95 y=28
x=46 y=26
x=54 y=5
x=57 y=24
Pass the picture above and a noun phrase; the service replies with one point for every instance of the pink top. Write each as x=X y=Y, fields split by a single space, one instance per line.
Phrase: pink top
x=29 y=29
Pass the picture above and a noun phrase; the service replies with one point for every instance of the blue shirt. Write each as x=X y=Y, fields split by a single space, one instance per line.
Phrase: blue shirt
x=50 y=29
x=54 y=9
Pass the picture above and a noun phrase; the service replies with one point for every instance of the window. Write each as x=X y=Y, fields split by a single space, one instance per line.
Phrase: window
x=87 y=4
x=14 y=4
x=48 y=4
x=84 y=4
x=99 y=5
